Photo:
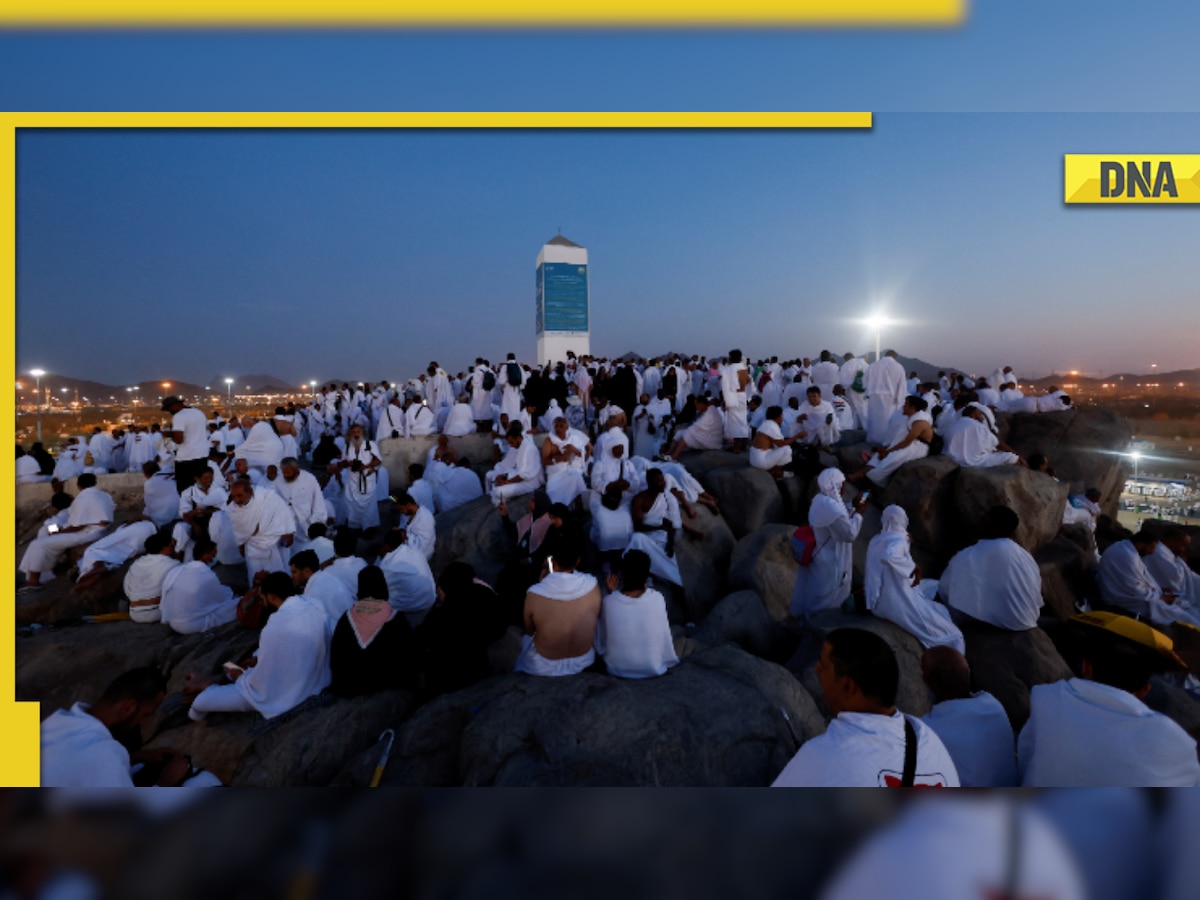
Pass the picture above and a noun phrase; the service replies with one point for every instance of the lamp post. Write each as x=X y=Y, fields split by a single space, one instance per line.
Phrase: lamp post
x=37 y=374
x=228 y=390
x=1135 y=456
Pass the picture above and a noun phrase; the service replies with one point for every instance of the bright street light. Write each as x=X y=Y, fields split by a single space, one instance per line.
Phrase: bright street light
x=1135 y=456
x=229 y=390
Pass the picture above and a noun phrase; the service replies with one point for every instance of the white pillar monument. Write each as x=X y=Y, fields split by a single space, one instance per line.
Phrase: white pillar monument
x=562 y=317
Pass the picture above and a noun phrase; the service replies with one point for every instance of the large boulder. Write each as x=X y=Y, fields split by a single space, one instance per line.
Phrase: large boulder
x=743 y=619
x=472 y=533
x=1007 y=664
x=1066 y=576
x=307 y=747
x=1036 y=498
x=749 y=498
x=912 y=696
x=60 y=666
x=1085 y=447
x=720 y=718
x=924 y=488
x=763 y=563
x=59 y=603
x=700 y=463
x=704 y=562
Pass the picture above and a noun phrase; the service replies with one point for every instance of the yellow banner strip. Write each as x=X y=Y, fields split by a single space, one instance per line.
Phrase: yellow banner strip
x=475 y=13
x=569 y=120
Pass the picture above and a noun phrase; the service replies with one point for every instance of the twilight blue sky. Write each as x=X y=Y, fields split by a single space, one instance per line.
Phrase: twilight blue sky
x=313 y=254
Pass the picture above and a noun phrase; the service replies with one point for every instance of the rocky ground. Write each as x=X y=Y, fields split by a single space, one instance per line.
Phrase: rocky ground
x=733 y=712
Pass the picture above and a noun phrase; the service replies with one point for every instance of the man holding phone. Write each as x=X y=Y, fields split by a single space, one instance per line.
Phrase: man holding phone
x=560 y=616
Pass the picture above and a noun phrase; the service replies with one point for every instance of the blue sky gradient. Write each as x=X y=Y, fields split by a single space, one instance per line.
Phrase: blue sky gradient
x=311 y=254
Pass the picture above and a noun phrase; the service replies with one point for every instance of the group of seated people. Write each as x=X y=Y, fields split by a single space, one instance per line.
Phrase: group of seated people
x=1092 y=730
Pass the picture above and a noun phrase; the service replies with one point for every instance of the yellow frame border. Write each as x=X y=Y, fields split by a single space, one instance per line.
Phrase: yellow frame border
x=19 y=722
x=484 y=13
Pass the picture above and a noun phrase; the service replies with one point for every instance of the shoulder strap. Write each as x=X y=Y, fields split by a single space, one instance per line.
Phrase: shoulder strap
x=910 y=754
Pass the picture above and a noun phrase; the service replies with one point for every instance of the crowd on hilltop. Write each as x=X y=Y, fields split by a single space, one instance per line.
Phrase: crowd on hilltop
x=587 y=453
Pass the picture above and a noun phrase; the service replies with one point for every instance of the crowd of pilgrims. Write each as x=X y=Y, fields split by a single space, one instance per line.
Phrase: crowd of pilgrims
x=337 y=562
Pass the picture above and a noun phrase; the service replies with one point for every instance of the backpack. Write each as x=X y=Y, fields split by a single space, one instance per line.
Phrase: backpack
x=804 y=544
x=857 y=385
x=489 y=380
x=515 y=375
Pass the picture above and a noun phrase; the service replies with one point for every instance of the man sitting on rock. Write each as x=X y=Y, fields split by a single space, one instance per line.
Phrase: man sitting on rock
x=973 y=726
x=913 y=445
x=656 y=526
x=290 y=665
x=707 y=432
x=193 y=598
x=321 y=587
x=90 y=513
x=633 y=634
x=994 y=580
x=520 y=472
x=78 y=747
x=869 y=743
x=970 y=442
x=418 y=524
x=144 y=580
x=1168 y=565
x=1126 y=583
x=1095 y=731
x=769 y=449
x=560 y=617
x=113 y=550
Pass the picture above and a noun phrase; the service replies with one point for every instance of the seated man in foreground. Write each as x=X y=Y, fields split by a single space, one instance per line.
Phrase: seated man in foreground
x=560 y=617
x=869 y=743
x=973 y=726
x=633 y=634
x=79 y=748
x=290 y=665
x=1094 y=730
x=995 y=580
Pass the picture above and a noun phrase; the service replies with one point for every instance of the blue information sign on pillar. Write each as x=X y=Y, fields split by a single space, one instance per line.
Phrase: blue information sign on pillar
x=562 y=297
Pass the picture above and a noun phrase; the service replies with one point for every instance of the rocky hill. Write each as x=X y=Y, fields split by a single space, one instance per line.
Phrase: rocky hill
x=733 y=712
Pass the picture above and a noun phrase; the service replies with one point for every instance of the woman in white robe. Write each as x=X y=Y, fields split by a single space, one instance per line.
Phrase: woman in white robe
x=890 y=591
x=825 y=582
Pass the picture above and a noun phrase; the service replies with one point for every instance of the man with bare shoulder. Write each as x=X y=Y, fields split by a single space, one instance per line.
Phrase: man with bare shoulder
x=560 y=617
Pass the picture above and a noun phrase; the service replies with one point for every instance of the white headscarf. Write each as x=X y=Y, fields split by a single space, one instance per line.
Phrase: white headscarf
x=830 y=483
x=895 y=519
